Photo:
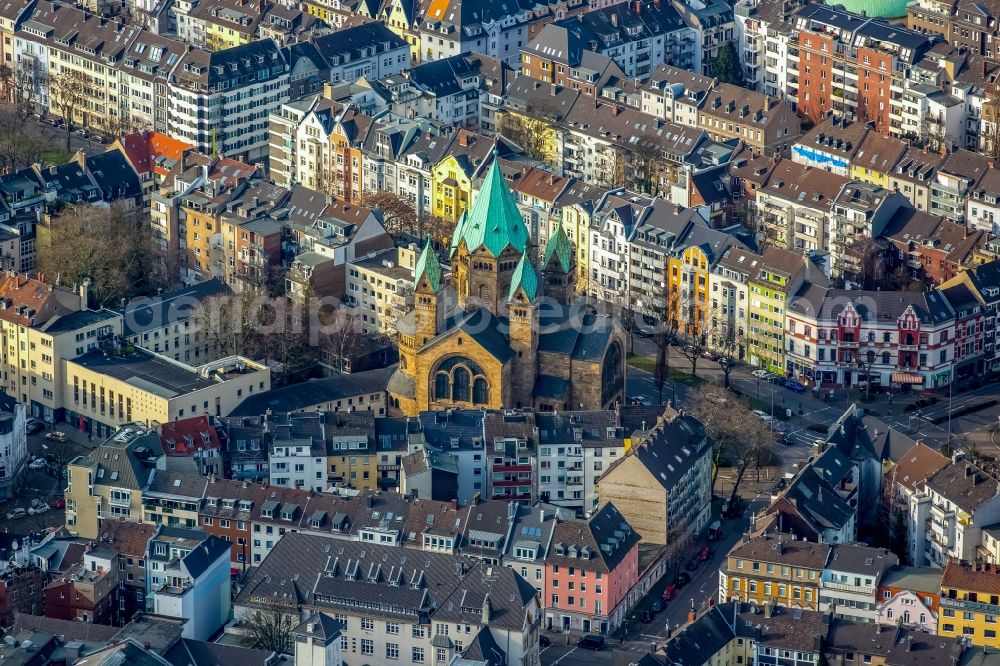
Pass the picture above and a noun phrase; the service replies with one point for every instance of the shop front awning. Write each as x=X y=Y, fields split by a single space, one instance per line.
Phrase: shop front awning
x=906 y=378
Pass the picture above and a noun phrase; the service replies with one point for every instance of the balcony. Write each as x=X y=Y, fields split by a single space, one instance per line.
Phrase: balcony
x=975 y=606
x=511 y=468
x=120 y=501
x=847 y=587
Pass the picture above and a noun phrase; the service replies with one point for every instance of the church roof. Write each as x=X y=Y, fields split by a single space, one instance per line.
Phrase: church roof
x=526 y=278
x=559 y=246
x=429 y=266
x=494 y=221
x=457 y=236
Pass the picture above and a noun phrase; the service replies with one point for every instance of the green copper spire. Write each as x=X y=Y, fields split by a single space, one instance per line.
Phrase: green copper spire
x=494 y=220
x=559 y=246
x=526 y=278
x=457 y=236
x=428 y=266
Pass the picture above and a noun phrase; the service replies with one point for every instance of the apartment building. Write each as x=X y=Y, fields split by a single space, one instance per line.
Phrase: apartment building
x=611 y=226
x=847 y=338
x=770 y=289
x=949 y=512
x=106 y=485
x=767 y=125
x=380 y=287
x=220 y=101
x=970 y=602
x=369 y=50
x=187 y=577
x=854 y=66
x=591 y=570
x=675 y=94
x=103 y=390
x=659 y=498
x=777 y=567
x=299 y=142
x=636 y=36
x=851 y=578
x=499 y=607
x=43 y=325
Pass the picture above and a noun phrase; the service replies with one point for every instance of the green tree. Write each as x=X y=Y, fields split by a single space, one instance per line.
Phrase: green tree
x=727 y=67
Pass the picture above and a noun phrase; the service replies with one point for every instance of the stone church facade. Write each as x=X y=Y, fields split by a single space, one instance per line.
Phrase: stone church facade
x=503 y=334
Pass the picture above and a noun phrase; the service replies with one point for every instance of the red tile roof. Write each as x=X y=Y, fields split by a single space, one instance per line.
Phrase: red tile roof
x=185 y=437
x=144 y=148
x=24 y=300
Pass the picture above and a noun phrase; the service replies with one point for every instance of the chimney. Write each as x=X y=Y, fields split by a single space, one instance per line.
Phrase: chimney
x=638 y=6
x=454 y=503
x=909 y=643
x=614 y=19
x=84 y=293
x=984 y=69
x=614 y=110
x=463 y=139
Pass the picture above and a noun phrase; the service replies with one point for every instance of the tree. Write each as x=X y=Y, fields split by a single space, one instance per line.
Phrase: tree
x=67 y=90
x=726 y=67
x=739 y=438
x=661 y=328
x=532 y=130
x=648 y=168
x=730 y=346
x=112 y=247
x=398 y=214
x=866 y=360
x=19 y=146
x=23 y=84
x=270 y=628
x=342 y=331
x=867 y=255
x=692 y=346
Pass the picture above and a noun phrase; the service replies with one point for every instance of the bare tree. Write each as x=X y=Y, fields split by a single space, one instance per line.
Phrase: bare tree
x=712 y=406
x=648 y=168
x=23 y=84
x=989 y=130
x=663 y=334
x=112 y=247
x=270 y=627
x=398 y=213
x=750 y=447
x=730 y=346
x=692 y=346
x=20 y=147
x=866 y=360
x=342 y=333
x=532 y=130
x=68 y=90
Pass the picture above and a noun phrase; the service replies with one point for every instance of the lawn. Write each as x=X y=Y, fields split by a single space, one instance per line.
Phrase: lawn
x=649 y=365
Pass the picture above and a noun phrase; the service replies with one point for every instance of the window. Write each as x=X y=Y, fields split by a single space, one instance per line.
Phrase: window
x=417 y=656
x=392 y=627
x=367 y=646
x=392 y=651
x=367 y=623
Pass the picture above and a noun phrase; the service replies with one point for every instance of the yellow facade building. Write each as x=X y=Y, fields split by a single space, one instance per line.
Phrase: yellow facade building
x=107 y=484
x=774 y=567
x=104 y=389
x=970 y=602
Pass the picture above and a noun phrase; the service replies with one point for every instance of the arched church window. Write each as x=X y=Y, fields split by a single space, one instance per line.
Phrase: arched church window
x=480 y=392
x=484 y=292
x=442 y=390
x=460 y=385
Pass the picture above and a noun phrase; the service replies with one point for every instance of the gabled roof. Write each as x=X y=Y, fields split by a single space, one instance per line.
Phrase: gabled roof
x=598 y=544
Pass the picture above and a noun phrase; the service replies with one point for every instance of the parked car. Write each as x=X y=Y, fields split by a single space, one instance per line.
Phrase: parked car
x=647 y=616
x=544 y=641
x=641 y=400
x=715 y=531
x=693 y=563
x=656 y=606
x=38 y=464
x=794 y=386
x=777 y=425
x=705 y=554
x=37 y=507
x=82 y=133
x=33 y=425
x=59 y=503
x=760 y=373
x=762 y=415
x=56 y=436
x=669 y=592
x=16 y=513
x=710 y=355
x=591 y=642
x=788 y=440
x=683 y=578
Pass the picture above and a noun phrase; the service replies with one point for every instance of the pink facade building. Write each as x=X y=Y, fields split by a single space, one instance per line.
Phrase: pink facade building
x=591 y=569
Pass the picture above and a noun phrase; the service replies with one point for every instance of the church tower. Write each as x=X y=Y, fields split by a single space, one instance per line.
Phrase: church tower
x=522 y=312
x=559 y=267
x=489 y=241
x=426 y=296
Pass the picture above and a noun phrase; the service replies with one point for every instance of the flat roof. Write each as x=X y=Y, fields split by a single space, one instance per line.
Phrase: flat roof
x=147 y=371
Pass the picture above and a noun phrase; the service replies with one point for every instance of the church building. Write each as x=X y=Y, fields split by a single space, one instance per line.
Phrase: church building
x=504 y=334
